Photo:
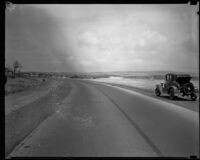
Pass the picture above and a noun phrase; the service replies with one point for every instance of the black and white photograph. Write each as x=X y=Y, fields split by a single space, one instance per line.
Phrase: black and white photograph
x=101 y=80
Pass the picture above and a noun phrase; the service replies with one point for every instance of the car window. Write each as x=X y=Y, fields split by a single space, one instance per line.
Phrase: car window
x=167 y=77
x=170 y=77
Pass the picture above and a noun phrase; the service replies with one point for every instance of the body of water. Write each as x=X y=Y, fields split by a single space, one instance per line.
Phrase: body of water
x=136 y=82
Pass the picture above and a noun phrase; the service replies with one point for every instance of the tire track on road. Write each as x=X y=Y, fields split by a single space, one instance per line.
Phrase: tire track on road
x=148 y=140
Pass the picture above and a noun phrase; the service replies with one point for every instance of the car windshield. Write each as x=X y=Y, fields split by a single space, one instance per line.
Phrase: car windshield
x=183 y=80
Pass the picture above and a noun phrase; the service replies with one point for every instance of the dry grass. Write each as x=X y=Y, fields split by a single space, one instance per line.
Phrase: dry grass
x=20 y=84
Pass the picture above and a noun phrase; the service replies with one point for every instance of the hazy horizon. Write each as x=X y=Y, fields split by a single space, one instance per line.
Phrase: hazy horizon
x=103 y=38
x=156 y=71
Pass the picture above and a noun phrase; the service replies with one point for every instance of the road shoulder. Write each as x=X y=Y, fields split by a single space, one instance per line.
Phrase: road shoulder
x=185 y=103
x=22 y=121
x=18 y=100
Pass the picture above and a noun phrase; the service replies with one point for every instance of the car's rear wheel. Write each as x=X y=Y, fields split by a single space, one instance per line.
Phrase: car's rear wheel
x=193 y=96
x=171 y=94
x=188 y=88
x=157 y=92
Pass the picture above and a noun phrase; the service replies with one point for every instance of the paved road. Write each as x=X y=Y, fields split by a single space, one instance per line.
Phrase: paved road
x=99 y=120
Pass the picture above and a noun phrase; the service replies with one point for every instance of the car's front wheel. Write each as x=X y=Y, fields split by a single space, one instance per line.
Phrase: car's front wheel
x=157 y=92
x=171 y=94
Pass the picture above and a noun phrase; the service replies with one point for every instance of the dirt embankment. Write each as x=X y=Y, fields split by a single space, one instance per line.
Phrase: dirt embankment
x=22 y=120
x=20 y=84
x=35 y=88
x=183 y=102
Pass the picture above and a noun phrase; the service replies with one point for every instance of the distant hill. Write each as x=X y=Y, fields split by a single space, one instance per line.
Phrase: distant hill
x=138 y=74
x=125 y=74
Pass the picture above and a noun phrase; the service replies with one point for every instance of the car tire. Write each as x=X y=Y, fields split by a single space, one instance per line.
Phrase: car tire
x=171 y=94
x=157 y=92
x=193 y=96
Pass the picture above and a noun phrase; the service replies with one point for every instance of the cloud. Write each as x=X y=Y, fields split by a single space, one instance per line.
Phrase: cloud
x=129 y=42
x=103 y=37
x=33 y=37
x=88 y=38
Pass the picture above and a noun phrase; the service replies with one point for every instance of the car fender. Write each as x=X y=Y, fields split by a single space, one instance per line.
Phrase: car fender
x=159 y=87
x=176 y=90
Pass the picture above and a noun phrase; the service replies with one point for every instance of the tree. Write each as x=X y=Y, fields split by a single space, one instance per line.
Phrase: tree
x=9 y=71
x=16 y=67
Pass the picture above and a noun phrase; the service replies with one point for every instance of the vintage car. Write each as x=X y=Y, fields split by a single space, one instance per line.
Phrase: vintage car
x=176 y=85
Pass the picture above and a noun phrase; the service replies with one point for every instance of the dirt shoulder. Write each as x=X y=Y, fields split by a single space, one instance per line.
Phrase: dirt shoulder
x=21 y=120
x=20 y=84
x=35 y=88
x=183 y=102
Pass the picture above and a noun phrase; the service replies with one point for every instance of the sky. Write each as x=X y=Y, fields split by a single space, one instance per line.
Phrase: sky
x=102 y=38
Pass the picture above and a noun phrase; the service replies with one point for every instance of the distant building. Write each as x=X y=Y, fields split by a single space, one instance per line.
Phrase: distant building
x=26 y=74
x=34 y=75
